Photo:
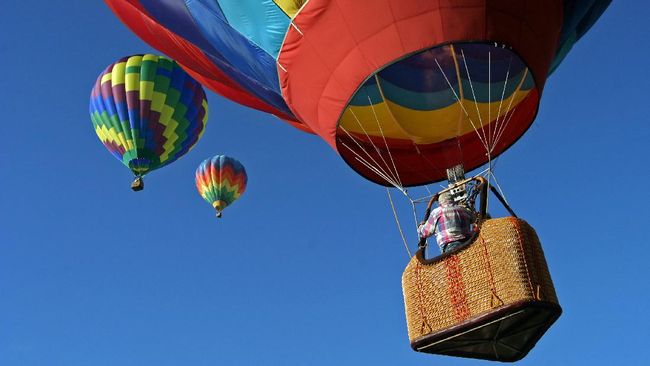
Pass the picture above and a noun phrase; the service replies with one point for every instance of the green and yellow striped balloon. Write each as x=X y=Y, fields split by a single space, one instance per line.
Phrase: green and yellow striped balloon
x=147 y=112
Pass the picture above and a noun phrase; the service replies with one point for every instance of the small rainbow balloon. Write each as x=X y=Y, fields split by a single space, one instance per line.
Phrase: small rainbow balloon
x=221 y=180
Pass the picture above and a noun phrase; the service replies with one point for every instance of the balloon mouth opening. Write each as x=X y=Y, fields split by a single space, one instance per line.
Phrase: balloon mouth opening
x=139 y=166
x=426 y=112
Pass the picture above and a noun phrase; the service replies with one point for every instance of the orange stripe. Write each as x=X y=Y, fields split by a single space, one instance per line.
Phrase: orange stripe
x=456 y=288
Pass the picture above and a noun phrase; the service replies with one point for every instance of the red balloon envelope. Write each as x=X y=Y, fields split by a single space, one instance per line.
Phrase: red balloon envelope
x=402 y=89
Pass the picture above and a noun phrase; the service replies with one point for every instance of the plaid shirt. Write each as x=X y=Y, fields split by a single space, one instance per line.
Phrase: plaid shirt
x=451 y=223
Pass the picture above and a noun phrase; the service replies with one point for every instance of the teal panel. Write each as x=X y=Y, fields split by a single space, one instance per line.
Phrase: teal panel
x=261 y=21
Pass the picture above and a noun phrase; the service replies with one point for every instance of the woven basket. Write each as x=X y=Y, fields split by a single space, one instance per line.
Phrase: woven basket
x=501 y=276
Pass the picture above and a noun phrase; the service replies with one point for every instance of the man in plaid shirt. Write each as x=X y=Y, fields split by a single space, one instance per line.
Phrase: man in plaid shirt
x=453 y=224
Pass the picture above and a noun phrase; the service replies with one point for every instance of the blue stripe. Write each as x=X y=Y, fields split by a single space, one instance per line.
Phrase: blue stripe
x=369 y=90
x=260 y=21
x=579 y=17
x=420 y=72
x=202 y=23
x=418 y=100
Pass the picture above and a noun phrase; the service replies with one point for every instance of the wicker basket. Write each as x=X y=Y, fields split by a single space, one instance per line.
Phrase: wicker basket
x=490 y=299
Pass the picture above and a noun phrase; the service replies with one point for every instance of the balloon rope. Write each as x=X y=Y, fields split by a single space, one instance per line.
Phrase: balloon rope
x=502 y=128
x=399 y=226
x=503 y=94
x=471 y=85
x=371 y=167
x=489 y=103
x=499 y=187
x=372 y=106
x=482 y=137
x=462 y=106
x=377 y=168
x=374 y=146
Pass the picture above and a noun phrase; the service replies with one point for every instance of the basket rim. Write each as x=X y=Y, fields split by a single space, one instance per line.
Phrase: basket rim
x=420 y=255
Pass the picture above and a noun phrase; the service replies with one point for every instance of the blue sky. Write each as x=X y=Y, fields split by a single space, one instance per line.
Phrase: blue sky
x=305 y=269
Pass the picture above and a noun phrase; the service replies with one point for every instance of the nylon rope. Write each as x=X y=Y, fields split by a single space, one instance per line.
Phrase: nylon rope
x=507 y=118
x=462 y=94
x=499 y=187
x=374 y=146
x=372 y=106
x=371 y=167
x=490 y=103
x=461 y=105
x=503 y=94
x=471 y=86
x=399 y=226
x=381 y=131
x=384 y=174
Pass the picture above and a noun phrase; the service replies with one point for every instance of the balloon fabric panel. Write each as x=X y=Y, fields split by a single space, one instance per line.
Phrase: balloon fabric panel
x=190 y=56
x=579 y=17
x=147 y=111
x=204 y=24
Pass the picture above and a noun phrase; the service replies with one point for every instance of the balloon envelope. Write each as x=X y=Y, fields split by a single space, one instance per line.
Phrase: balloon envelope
x=221 y=180
x=147 y=111
x=403 y=94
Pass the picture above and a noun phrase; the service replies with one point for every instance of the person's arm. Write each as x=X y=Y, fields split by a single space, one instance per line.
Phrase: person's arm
x=428 y=228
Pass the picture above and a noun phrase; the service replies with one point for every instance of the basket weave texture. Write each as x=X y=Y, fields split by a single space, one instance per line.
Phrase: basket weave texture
x=503 y=266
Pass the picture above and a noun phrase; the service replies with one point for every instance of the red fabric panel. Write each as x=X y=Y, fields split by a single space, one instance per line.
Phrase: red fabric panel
x=217 y=86
x=340 y=43
x=185 y=53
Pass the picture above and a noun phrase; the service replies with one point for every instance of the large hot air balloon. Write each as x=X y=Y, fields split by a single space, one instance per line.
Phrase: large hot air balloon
x=221 y=180
x=147 y=112
x=402 y=89
x=405 y=91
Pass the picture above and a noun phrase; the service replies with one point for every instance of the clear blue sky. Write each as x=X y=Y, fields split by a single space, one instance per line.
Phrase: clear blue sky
x=305 y=269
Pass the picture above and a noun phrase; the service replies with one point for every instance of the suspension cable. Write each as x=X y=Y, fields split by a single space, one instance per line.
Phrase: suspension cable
x=399 y=226
x=381 y=156
x=462 y=106
x=377 y=166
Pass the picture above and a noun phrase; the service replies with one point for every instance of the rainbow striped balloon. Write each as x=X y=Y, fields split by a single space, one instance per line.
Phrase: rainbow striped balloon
x=147 y=111
x=221 y=180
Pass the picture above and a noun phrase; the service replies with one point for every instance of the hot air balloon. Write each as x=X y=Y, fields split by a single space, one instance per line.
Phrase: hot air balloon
x=402 y=89
x=221 y=180
x=405 y=91
x=147 y=112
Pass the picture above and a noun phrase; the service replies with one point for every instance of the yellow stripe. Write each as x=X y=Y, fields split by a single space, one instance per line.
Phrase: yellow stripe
x=106 y=78
x=425 y=127
x=118 y=73
x=169 y=133
x=133 y=78
x=290 y=7
x=132 y=82
x=134 y=61
x=367 y=118
x=112 y=136
x=150 y=57
x=157 y=101
x=204 y=104
x=146 y=90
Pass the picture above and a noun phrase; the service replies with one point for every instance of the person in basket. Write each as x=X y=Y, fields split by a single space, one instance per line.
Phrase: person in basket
x=452 y=223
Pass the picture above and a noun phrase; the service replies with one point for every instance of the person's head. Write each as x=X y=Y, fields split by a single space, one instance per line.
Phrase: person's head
x=445 y=199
